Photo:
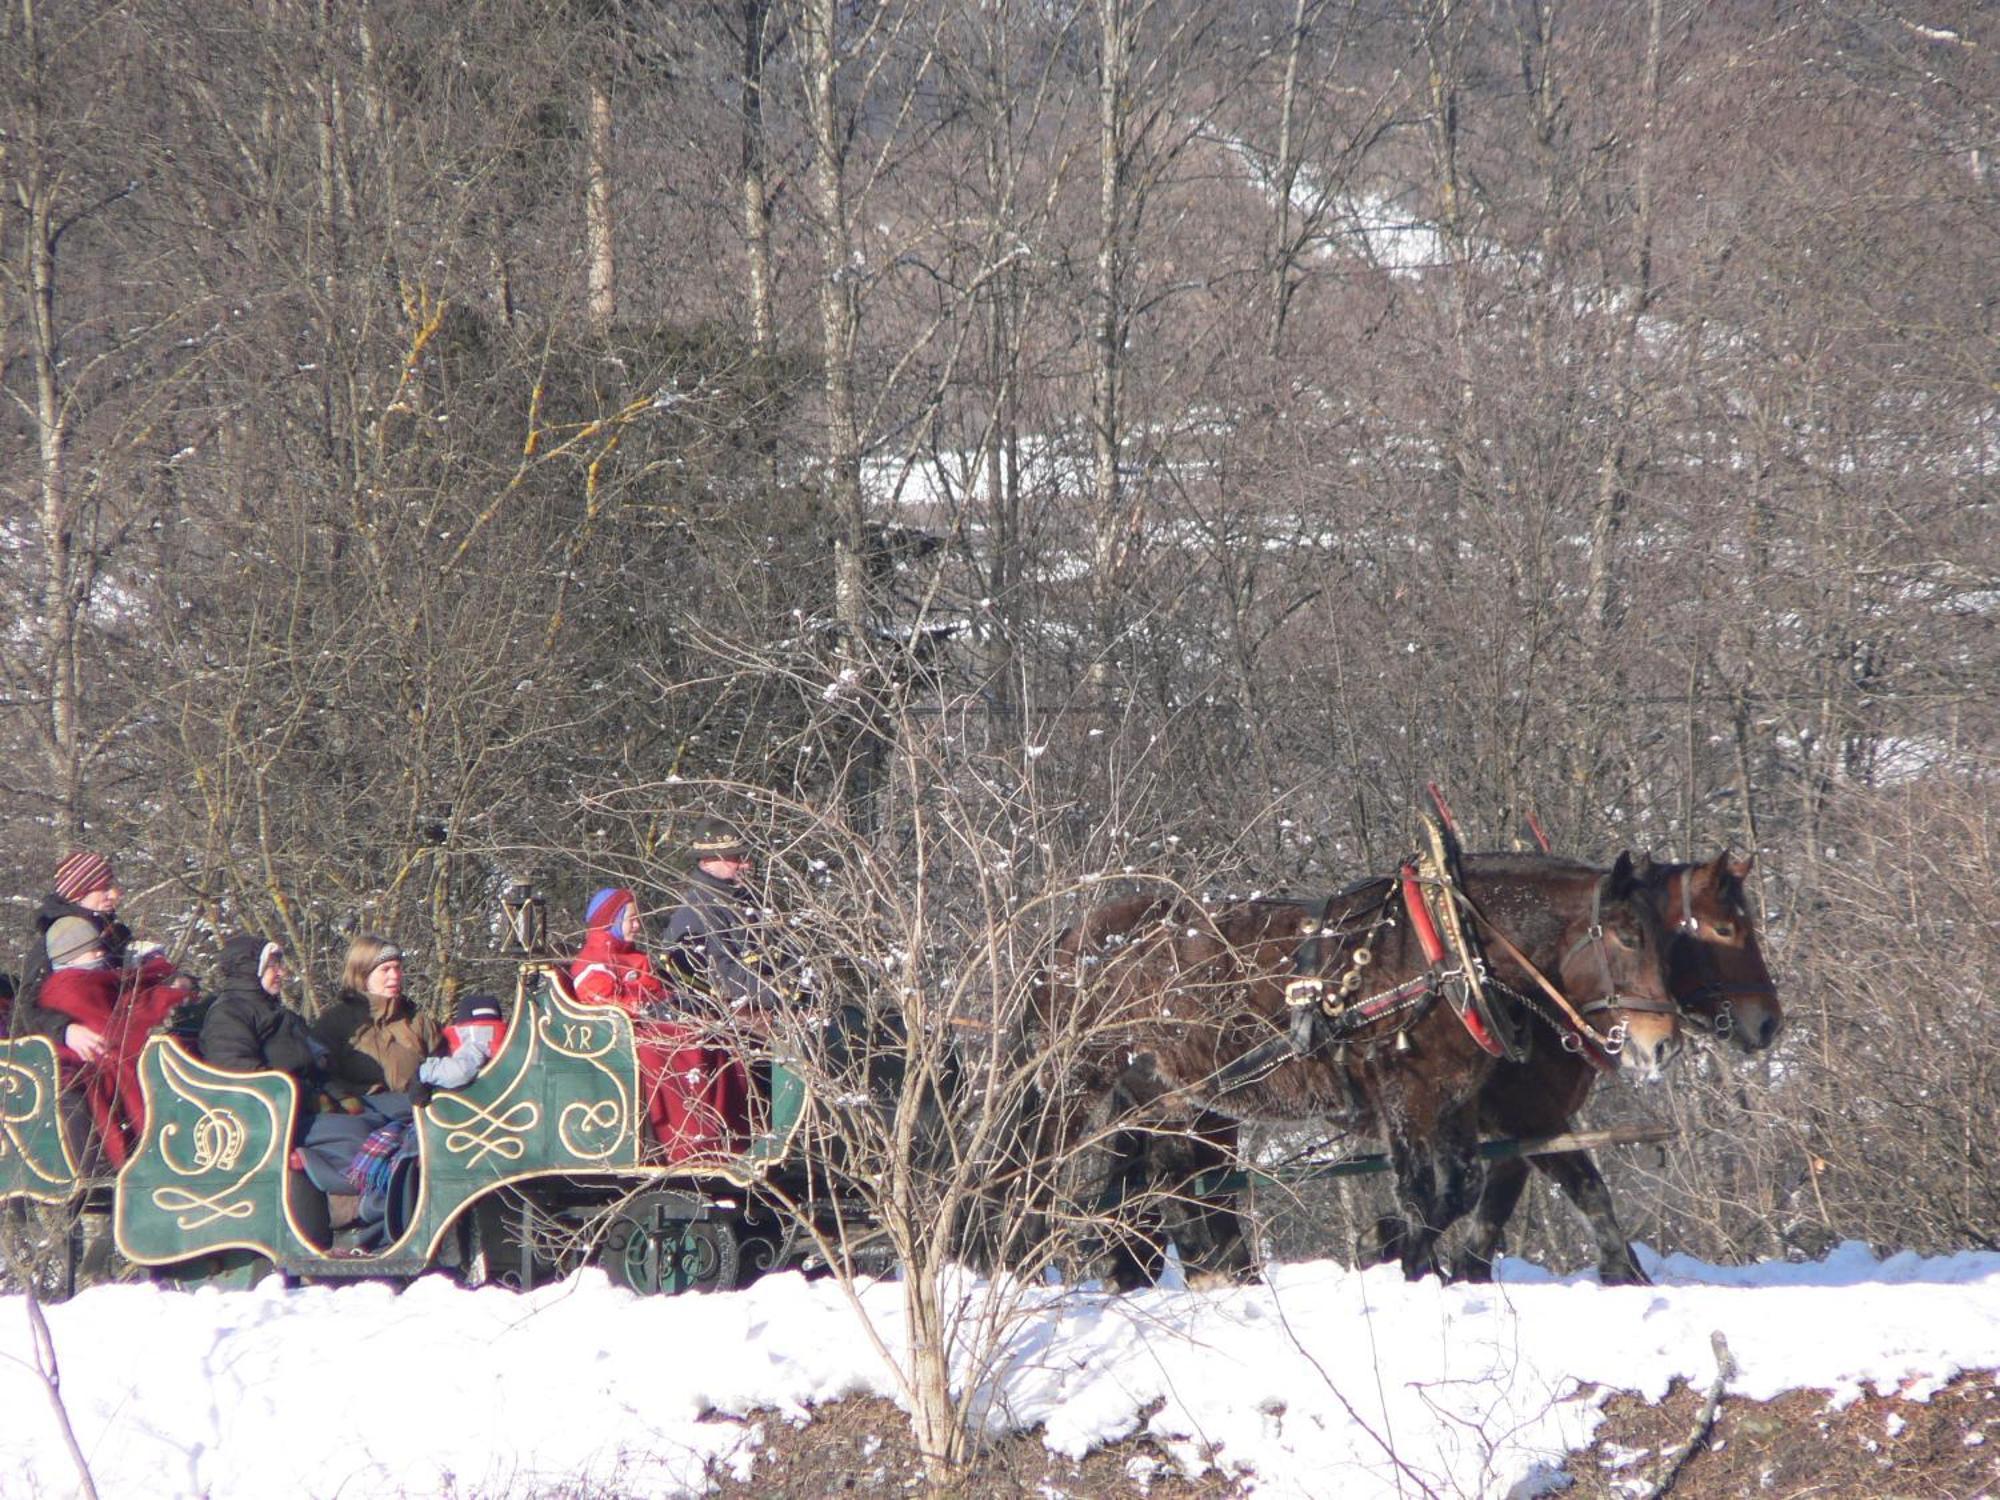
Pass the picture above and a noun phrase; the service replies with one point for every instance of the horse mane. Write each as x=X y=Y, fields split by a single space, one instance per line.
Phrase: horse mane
x=1523 y=863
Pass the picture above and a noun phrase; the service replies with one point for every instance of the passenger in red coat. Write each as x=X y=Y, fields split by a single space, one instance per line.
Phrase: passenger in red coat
x=695 y=1094
x=119 y=1005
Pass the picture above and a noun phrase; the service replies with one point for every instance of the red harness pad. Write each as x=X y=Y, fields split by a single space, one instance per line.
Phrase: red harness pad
x=1433 y=946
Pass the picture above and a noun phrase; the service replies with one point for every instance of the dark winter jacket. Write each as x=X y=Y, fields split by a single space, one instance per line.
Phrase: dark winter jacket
x=247 y=1031
x=31 y=1017
x=722 y=943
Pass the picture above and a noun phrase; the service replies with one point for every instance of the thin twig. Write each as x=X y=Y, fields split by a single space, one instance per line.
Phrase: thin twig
x=51 y=1377
x=1725 y=1370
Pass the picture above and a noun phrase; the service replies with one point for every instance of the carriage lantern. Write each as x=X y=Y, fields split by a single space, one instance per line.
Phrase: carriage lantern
x=527 y=920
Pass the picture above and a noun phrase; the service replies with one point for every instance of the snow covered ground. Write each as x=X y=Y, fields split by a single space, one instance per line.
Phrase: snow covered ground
x=1327 y=1381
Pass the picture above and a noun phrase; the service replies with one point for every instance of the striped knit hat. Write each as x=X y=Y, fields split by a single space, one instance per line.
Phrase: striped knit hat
x=82 y=873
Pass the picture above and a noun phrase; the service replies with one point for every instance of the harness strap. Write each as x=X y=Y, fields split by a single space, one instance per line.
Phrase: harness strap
x=1595 y=1049
x=1265 y=1058
x=1491 y=1027
x=1311 y=1029
x=1425 y=927
x=1420 y=916
x=1760 y=991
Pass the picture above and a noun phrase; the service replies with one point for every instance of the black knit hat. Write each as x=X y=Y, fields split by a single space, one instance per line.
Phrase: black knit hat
x=477 y=1008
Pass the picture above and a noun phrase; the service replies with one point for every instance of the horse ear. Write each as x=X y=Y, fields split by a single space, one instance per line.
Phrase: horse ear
x=1737 y=867
x=1619 y=881
x=1643 y=868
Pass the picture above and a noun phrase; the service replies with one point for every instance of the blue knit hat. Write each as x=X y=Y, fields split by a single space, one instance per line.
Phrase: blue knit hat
x=601 y=901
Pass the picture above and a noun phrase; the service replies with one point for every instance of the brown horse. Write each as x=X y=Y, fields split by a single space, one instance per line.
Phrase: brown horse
x=1161 y=1010
x=1717 y=974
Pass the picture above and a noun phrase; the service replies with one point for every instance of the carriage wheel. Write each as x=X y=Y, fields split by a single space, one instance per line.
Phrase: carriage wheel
x=41 y=1244
x=766 y=1241
x=657 y=1246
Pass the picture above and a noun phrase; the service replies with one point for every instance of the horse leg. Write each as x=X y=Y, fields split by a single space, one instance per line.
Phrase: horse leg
x=1214 y=1248
x=1409 y=1237
x=1497 y=1201
x=1128 y=1209
x=1577 y=1175
x=1538 y=1097
x=1437 y=1183
x=1461 y=1173
x=1018 y=1213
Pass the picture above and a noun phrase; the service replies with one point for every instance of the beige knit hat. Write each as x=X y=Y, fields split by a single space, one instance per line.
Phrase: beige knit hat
x=69 y=937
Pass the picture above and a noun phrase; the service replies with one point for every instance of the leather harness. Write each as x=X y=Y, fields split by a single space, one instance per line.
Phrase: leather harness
x=1319 y=1020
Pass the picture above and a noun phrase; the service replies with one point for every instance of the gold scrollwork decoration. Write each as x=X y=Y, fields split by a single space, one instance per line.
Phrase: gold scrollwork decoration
x=199 y=1210
x=21 y=1093
x=219 y=1138
x=483 y=1133
x=592 y=1040
x=605 y=1119
x=23 y=1096
x=217 y=1142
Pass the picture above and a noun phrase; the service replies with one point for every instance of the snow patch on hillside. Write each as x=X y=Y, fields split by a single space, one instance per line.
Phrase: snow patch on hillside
x=1326 y=1381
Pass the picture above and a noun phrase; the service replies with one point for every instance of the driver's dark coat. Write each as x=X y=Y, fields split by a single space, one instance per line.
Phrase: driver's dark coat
x=720 y=942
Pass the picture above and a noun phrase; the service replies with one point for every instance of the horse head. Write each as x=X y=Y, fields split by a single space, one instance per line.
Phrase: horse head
x=1714 y=960
x=1614 y=968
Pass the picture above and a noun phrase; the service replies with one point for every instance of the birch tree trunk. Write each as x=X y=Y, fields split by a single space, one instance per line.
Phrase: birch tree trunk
x=755 y=179
x=840 y=455
x=838 y=318
x=597 y=211
x=54 y=679
x=1441 y=34
x=1116 y=531
x=1603 y=599
x=1285 y=178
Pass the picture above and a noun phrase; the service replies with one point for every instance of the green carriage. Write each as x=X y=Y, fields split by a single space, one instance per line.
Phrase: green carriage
x=38 y=1163
x=548 y=1146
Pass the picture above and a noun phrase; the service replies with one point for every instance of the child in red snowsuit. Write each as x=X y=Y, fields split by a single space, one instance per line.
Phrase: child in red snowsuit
x=122 y=1005
x=695 y=1094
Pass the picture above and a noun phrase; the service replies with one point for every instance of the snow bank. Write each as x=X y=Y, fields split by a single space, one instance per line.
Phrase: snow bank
x=1326 y=1381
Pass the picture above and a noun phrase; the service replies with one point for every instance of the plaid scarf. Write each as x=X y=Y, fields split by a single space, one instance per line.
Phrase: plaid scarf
x=376 y=1160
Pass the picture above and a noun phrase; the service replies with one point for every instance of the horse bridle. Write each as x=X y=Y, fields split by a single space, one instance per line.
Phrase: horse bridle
x=1723 y=1022
x=1613 y=1039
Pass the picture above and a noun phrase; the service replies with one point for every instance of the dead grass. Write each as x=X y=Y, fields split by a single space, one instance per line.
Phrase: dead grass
x=1798 y=1446
x=863 y=1447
